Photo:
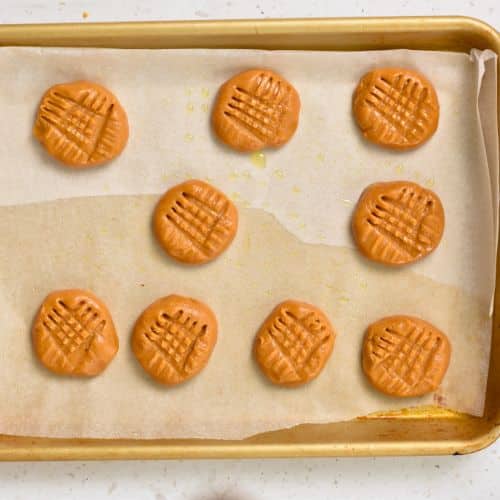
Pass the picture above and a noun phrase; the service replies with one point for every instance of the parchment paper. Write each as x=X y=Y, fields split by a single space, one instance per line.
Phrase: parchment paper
x=91 y=229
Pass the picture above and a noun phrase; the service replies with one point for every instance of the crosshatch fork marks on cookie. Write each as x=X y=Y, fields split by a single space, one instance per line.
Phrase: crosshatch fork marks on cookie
x=195 y=222
x=256 y=109
x=201 y=220
x=73 y=333
x=402 y=221
x=72 y=329
x=405 y=357
x=259 y=110
x=398 y=222
x=296 y=340
x=294 y=343
x=83 y=129
x=396 y=108
x=402 y=106
x=82 y=124
x=175 y=337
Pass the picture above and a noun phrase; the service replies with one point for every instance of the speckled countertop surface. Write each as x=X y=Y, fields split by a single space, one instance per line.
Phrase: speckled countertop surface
x=460 y=477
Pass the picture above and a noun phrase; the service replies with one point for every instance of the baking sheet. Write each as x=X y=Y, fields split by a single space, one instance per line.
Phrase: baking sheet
x=293 y=241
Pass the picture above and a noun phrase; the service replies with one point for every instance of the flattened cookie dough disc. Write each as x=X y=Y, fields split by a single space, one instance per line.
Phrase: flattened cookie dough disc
x=73 y=333
x=397 y=222
x=256 y=109
x=396 y=108
x=174 y=338
x=81 y=124
x=294 y=343
x=194 y=222
x=405 y=356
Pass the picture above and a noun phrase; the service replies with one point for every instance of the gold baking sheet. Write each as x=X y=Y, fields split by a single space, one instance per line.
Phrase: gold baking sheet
x=423 y=432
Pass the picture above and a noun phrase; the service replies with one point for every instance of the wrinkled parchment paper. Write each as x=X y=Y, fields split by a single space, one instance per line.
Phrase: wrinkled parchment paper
x=92 y=229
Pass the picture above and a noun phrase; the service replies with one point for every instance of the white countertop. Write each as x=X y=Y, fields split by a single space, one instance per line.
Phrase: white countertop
x=457 y=477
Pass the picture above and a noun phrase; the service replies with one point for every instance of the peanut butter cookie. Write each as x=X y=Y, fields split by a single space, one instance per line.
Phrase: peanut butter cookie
x=294 y=343
x=256 y=109
x=73 y=333
x=397 y=222
x=195 y=222
x=81 y=124
x=396 y=108
x=405 y=356
x=174 y=338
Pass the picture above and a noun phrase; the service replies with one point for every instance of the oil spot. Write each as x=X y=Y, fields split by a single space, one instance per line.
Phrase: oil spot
x=258 y=159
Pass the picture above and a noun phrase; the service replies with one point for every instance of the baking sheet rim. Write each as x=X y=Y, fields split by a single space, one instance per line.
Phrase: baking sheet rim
x=159 y=448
